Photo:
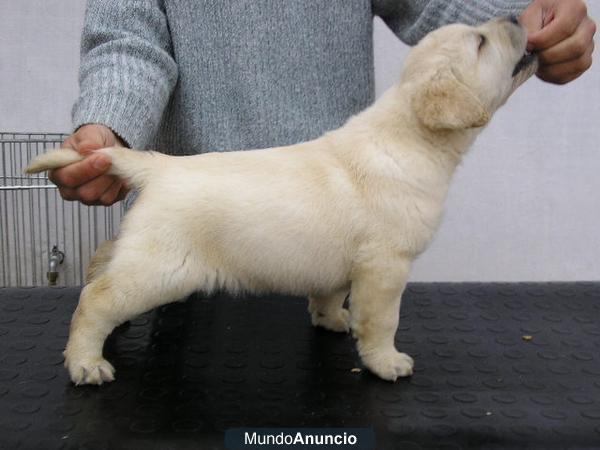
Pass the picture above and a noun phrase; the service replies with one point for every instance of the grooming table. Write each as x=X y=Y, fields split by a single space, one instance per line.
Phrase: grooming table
x=497 y=366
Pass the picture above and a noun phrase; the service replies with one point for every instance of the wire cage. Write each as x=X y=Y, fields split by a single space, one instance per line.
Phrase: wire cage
x=43 y=239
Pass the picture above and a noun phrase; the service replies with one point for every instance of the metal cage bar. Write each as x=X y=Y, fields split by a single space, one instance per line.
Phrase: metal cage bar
x=34 y=219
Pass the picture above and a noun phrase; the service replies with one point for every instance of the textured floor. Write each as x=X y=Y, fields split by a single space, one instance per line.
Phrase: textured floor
x=497 y=366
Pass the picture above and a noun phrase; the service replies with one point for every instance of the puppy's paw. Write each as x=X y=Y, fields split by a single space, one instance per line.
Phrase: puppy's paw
x=89 y=370
x=339 y=320
x=389 y=365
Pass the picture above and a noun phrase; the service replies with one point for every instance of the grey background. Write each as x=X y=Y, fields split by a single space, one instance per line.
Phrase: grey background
x=525 y=204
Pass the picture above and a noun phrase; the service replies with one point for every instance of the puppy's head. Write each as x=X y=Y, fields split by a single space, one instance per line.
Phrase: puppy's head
x=462 y=75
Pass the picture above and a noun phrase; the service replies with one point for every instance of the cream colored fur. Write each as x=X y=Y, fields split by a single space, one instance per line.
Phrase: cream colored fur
x=345 y=213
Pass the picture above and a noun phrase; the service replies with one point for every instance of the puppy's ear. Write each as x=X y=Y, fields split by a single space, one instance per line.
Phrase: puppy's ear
x=444 y=103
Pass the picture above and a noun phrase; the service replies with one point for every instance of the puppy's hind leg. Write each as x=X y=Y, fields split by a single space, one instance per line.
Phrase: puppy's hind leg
x=100 y=260
x=121 y=292
x=329 y=312
x=90 y=325
x=374 y=315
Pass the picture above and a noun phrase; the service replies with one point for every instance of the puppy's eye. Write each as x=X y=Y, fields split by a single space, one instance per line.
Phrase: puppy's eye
x=482 y=41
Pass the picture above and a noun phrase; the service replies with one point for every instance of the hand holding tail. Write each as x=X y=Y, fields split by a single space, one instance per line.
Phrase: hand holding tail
x=87 y=179
x=133 y=166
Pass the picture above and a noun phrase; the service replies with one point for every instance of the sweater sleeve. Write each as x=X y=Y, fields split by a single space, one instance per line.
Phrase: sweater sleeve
x=127 y=70
x=410 y=20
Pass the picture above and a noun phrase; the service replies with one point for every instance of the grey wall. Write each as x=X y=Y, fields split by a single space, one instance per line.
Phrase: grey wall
x=525 y=204
x=39 y=56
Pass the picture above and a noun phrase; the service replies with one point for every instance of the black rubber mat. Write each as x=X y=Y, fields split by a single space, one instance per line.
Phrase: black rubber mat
x=497 y=366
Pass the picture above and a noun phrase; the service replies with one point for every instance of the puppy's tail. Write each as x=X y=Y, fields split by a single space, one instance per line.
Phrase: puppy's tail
x=133 y=166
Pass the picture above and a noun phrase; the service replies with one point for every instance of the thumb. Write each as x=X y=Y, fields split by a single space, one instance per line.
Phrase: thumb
x=93 y=137
x=532 y=20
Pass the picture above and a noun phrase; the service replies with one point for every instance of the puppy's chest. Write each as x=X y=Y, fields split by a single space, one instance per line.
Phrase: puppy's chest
x=410 y=219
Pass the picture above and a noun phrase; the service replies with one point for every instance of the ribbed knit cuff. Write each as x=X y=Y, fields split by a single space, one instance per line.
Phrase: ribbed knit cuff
x=128 y=115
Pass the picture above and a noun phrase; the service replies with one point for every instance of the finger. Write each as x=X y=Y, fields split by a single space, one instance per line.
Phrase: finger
x=104 y=198
x=68 y=194
x=112 y=194
x=571 y=48
x=91 y=192
x=567 y=18
x=563 y=73
x=123 y=193
x=81 y=172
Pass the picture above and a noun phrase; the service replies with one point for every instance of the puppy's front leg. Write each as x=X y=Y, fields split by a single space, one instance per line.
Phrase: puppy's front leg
x=374 y=310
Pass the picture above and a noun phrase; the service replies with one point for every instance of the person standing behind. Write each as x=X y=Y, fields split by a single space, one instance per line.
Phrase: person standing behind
x=188 y=78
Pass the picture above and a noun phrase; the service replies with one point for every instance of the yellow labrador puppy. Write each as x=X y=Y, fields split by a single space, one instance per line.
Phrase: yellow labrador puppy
x=347 y=212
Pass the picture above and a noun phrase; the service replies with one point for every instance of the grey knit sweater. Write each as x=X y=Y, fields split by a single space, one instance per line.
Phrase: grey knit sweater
x=186 y=77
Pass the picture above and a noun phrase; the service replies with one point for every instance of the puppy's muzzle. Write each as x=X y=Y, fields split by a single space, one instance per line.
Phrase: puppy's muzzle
x=528 y=58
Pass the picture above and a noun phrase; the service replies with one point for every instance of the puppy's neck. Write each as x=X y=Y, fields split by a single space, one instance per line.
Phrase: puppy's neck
x=400 y=116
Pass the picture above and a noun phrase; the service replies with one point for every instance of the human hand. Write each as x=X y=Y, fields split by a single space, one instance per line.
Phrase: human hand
x=86 y=180
x=561 y=33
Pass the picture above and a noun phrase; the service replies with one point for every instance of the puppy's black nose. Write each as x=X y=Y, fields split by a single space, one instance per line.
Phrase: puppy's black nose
x=513 y=19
